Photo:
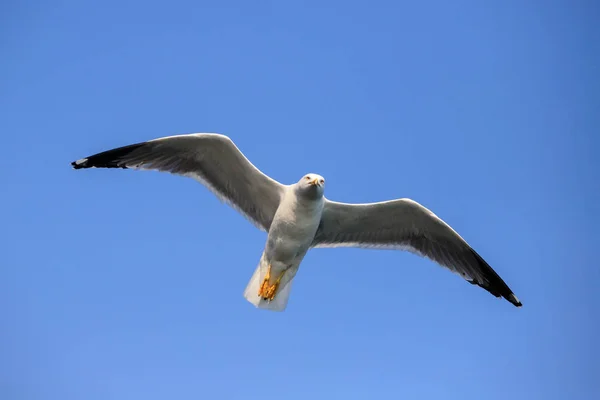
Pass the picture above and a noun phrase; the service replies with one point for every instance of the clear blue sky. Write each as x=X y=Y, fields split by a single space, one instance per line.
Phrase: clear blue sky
x=128 y=285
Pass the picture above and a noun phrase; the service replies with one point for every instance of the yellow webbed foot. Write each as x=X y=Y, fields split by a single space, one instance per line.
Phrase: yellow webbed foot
x=266 y=291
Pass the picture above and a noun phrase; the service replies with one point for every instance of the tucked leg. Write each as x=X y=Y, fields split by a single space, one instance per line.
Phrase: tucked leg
x=265 y=283
x=266 y=291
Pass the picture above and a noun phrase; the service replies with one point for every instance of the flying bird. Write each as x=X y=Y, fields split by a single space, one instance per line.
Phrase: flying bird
x=298 y=217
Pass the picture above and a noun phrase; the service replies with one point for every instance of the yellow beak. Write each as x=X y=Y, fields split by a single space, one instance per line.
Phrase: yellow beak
x=315 y=182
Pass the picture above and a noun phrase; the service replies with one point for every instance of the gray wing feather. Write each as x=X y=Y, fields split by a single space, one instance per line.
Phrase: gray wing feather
x=212 y=159
x=406 y=225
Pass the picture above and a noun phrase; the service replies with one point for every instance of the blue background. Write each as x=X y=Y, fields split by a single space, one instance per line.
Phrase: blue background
x=125 y=284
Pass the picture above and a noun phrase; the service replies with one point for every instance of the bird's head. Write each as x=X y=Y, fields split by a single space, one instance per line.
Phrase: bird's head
x=311 y=185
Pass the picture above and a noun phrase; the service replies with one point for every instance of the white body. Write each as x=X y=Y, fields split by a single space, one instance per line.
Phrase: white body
x=290 y=237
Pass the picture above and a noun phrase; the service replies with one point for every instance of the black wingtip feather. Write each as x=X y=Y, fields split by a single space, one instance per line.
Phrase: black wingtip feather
x=106 y=159
x=495 y=285
x=78 y=164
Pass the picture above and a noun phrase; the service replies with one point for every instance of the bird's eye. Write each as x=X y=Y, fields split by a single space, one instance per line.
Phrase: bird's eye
x=322 y=181
x=307 y=177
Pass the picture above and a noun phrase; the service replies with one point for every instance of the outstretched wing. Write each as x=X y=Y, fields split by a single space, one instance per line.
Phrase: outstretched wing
x=406 y=225
x=212 y=159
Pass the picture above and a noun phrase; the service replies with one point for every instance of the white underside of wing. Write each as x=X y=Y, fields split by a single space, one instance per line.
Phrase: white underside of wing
x=153 y=164
x=391 y=246
x=224 y=199
x=367 y=245
x=199 y=178
x=224 y=137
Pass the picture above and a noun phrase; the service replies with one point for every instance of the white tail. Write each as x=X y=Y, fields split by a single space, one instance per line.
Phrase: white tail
x=279 y=303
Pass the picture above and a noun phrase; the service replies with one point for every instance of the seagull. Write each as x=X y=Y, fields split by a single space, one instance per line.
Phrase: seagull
x=298 y=217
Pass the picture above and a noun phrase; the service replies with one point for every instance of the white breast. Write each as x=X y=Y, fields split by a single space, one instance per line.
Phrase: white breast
x=293 y=228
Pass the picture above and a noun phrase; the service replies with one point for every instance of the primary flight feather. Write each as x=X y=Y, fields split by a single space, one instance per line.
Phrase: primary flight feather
x=298 y=217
